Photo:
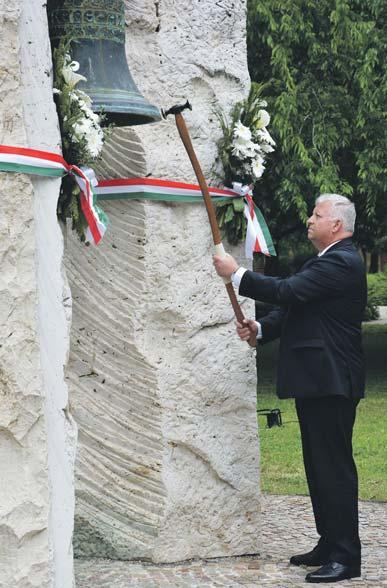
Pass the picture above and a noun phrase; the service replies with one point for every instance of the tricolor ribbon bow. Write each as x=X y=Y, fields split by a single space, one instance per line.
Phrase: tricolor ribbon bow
x=258 y=239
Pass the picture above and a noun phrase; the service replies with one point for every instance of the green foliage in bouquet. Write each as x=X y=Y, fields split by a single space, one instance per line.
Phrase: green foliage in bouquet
x=231 y=220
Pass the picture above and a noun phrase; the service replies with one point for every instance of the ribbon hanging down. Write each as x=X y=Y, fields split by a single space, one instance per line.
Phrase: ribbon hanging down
x=258 y=238
x=43 y=163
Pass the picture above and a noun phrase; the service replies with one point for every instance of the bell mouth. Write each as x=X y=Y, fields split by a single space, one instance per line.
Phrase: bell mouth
x=123 y=119
x=122 y=108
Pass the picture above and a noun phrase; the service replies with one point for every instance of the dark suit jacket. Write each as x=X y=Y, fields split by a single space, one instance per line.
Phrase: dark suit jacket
x=319 y=322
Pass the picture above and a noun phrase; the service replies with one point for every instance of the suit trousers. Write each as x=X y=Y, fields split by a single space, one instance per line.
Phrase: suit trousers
x=326 y=425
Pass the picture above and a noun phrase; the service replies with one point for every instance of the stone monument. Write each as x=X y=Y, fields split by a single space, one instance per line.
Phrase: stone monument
x=161 y=389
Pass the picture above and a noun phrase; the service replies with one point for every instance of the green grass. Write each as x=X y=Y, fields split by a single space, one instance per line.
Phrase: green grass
x=377 y=288
x=282 y=470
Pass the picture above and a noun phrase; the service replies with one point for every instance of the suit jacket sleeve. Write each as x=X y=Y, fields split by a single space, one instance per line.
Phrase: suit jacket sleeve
x=326 y=277
x=271 y=325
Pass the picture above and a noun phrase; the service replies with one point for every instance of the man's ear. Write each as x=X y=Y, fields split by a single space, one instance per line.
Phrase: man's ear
x=337 y=225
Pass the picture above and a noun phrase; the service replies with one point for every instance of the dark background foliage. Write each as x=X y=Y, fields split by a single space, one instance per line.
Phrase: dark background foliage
x=323 y=66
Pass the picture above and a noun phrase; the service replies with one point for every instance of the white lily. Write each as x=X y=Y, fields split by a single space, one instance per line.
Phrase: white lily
x=70 y=77
x=265 y=136
x=262 y=120
x=266 y=148
x=257 y=167
x=241 y=133
x=74 y=65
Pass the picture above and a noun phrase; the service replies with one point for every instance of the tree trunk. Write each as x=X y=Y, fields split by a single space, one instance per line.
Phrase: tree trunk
x=374 y=263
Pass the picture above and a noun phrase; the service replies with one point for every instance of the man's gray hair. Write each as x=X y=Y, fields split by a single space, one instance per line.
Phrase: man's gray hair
x=342 y=209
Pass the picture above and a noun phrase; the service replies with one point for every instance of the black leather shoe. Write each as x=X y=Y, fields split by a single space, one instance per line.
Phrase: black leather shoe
x=333 y=572
x=316 y=557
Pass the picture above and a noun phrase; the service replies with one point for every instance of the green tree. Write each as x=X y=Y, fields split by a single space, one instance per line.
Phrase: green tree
x=323 y=66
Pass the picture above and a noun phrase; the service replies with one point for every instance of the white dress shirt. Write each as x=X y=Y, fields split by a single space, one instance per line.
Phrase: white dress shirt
x=320 y=253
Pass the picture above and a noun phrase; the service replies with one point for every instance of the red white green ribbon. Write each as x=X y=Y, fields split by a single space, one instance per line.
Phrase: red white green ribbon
x=155 y=189
x=258 y=238
x=44 y=163
x=96 y=218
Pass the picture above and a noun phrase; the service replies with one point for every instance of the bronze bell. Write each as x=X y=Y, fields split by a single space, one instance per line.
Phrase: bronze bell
x=97 y=30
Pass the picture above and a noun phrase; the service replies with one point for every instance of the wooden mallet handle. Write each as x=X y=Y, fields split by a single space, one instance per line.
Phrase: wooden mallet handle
x=186 y=139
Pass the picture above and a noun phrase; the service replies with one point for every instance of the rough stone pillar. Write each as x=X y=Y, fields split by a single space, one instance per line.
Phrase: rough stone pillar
x=163 y=392
x=37 y=433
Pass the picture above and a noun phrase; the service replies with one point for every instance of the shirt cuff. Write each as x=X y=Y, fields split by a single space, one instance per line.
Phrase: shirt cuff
x=237 y=276
x=259 y=332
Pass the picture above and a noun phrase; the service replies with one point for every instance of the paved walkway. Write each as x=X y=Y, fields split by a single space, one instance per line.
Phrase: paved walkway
x=287 y=528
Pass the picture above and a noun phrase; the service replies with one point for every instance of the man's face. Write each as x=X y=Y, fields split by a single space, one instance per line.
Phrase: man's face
x=321 y=226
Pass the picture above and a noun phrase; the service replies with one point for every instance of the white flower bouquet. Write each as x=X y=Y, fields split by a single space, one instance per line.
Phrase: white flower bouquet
x=81 y=132
x=82 y=135
x=243 y=151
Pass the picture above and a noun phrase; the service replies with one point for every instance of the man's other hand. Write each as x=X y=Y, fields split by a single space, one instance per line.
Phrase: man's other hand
x=247 y=331
x=225 y=265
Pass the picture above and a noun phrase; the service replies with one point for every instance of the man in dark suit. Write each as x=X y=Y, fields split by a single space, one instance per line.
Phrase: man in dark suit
x=321 y=365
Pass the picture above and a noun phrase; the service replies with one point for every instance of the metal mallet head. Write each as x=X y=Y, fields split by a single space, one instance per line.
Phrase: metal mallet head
x=177 y=109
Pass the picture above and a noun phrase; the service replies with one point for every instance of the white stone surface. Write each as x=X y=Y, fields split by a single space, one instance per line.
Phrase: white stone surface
x=162 y=390
x=37 y=434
